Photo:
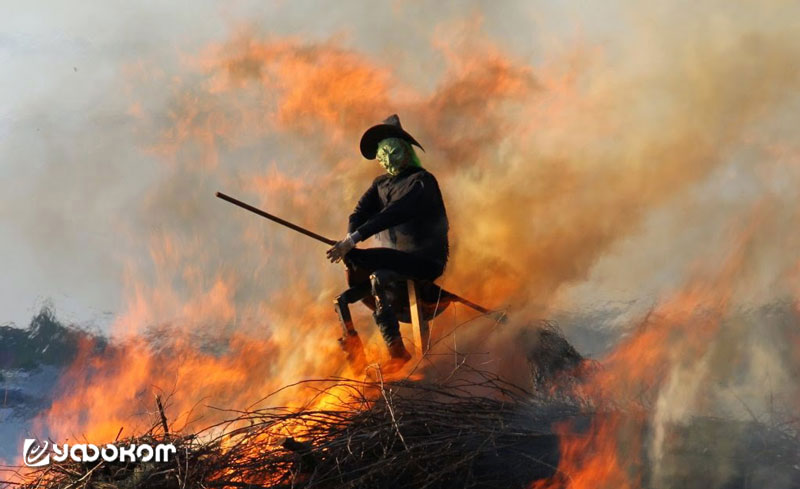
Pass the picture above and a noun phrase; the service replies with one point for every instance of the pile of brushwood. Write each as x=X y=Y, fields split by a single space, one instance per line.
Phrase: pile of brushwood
x=470 y=430
x=395 y=434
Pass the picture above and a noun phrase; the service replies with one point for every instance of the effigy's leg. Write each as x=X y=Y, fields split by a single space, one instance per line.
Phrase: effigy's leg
x=350 y=341
x=384 y=315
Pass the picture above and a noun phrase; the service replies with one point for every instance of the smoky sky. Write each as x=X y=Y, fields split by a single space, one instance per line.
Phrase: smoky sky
x=78 y=171
x=72 y=165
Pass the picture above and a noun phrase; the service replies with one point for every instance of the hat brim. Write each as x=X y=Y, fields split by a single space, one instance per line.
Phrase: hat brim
x=376 y=134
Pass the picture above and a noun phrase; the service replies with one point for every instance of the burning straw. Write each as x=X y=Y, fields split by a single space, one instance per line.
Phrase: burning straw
x=381 y=434
x=470 y=430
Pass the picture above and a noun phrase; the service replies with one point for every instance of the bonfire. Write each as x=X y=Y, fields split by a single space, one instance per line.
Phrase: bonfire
x=473 y=430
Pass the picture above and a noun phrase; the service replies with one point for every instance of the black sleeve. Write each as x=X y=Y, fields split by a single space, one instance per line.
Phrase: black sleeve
x=368 y=205
x=413 y=202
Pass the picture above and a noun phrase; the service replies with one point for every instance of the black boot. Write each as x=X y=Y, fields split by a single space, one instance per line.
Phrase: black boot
x=352 y=346
x=350 y=342
x=390 y=330
x=400 y=356
x=398 y=350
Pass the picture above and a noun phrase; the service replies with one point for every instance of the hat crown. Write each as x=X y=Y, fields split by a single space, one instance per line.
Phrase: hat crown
x=393 y=120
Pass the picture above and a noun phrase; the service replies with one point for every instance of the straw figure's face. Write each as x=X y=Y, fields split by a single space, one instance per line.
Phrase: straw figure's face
x=394 y=155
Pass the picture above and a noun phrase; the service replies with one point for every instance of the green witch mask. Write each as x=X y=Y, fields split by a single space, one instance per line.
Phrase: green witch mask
x=394 y=155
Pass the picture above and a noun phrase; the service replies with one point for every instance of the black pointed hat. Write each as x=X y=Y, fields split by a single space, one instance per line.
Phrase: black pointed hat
x=389 y=128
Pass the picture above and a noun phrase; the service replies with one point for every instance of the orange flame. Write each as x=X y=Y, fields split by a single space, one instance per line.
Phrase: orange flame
x=632 y=386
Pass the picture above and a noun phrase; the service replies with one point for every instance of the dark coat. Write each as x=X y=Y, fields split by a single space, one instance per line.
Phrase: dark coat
x=407 y=212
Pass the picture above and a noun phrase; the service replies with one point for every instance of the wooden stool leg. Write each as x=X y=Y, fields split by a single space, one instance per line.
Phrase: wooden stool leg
x=422 y=333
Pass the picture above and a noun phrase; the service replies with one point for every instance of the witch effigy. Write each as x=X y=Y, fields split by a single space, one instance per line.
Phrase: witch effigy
x=405 y=209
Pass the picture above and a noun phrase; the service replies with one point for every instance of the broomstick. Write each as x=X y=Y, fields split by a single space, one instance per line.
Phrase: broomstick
x=332 y=242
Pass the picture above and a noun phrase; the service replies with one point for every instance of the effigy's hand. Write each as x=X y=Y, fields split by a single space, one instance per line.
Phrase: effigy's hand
x=340 y=249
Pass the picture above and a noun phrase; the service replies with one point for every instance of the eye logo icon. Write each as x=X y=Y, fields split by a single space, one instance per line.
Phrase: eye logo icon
x=34 y=454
